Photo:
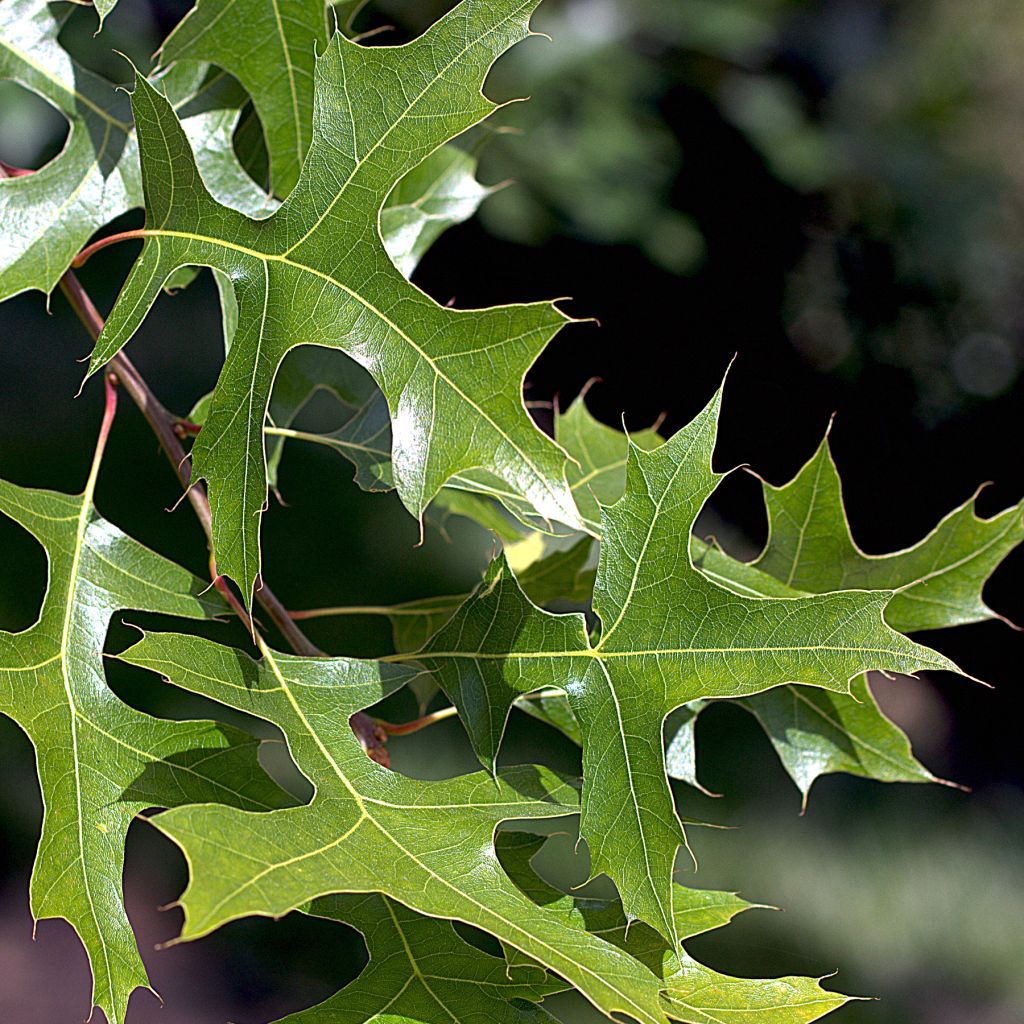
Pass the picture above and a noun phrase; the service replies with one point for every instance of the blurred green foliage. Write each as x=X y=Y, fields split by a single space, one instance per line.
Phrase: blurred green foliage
x=897 y=127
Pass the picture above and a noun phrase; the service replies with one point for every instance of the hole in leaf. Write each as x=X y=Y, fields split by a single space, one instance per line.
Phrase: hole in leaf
x=251 y=969
x=32 y=131
x=25 y=563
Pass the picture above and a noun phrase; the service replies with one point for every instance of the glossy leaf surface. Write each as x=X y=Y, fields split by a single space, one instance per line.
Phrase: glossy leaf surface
x=669 y=636
x=316 y=272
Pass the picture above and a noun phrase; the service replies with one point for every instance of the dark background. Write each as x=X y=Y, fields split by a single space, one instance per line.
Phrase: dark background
x=833 y=192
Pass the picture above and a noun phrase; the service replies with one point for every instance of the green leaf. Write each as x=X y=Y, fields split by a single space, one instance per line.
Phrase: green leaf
x=939 y=580
x=699 y=995
x=693 y=993
x=939 y=583
x=209 y=104
x=365 y=428
x=271 y=49
x=565 y=575
x=420 y=970
x=50 y=214
x=696 y=910
x=669 y=636
x=103 y=8
x=814 y=732
x=317 y=272
x=559 y=576
x=439 y=193
x=681 y=751
x=428 y=845
x=101 y=762
x=597 y=476
x=345 y=12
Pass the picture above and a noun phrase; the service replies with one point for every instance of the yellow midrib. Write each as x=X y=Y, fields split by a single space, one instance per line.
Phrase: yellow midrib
x=602 y=655
x=414 y=966
x=361 y=802
x=82 y=524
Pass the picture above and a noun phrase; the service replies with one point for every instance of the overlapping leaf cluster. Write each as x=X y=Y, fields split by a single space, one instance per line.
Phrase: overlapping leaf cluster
x=603 y=615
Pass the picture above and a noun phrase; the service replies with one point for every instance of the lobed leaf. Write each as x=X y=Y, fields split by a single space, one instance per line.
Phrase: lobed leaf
x=693 y=993
x=937 y=584
x=421 y=970
x=101 y=762
x=428 y=845
x=316 y=271
x=50 y=214
x=271 y=49
x=938 y=581
x=669 y=636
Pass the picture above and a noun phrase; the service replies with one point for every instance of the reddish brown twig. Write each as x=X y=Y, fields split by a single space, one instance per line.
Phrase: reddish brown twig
x=163 y=424
x=101 y=243
x=405 y=728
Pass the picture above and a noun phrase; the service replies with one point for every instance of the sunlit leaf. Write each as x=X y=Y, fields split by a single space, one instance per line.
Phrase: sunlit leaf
x=316 y=272
x=668 y=636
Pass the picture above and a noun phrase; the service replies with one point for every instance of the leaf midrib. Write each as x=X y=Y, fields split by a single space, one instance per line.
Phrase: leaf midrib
x=602 y=655
x=413 y=965
x=365 y=815
x=360 y=163
x=65 y=639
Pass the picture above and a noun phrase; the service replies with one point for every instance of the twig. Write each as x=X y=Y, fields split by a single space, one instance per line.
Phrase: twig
x=163 y=424
x=405 y=728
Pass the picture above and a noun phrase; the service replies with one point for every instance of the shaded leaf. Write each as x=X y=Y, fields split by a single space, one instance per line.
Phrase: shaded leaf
x=421 y=970
x=439 y=193
x=681 y=751
x=816 y=733
x=598 y=474
x=271 y=48
x=103 y=8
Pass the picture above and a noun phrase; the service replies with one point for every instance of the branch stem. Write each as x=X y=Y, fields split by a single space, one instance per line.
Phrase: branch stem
x=162 y=422
x=405 y=728
x=101 y=243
